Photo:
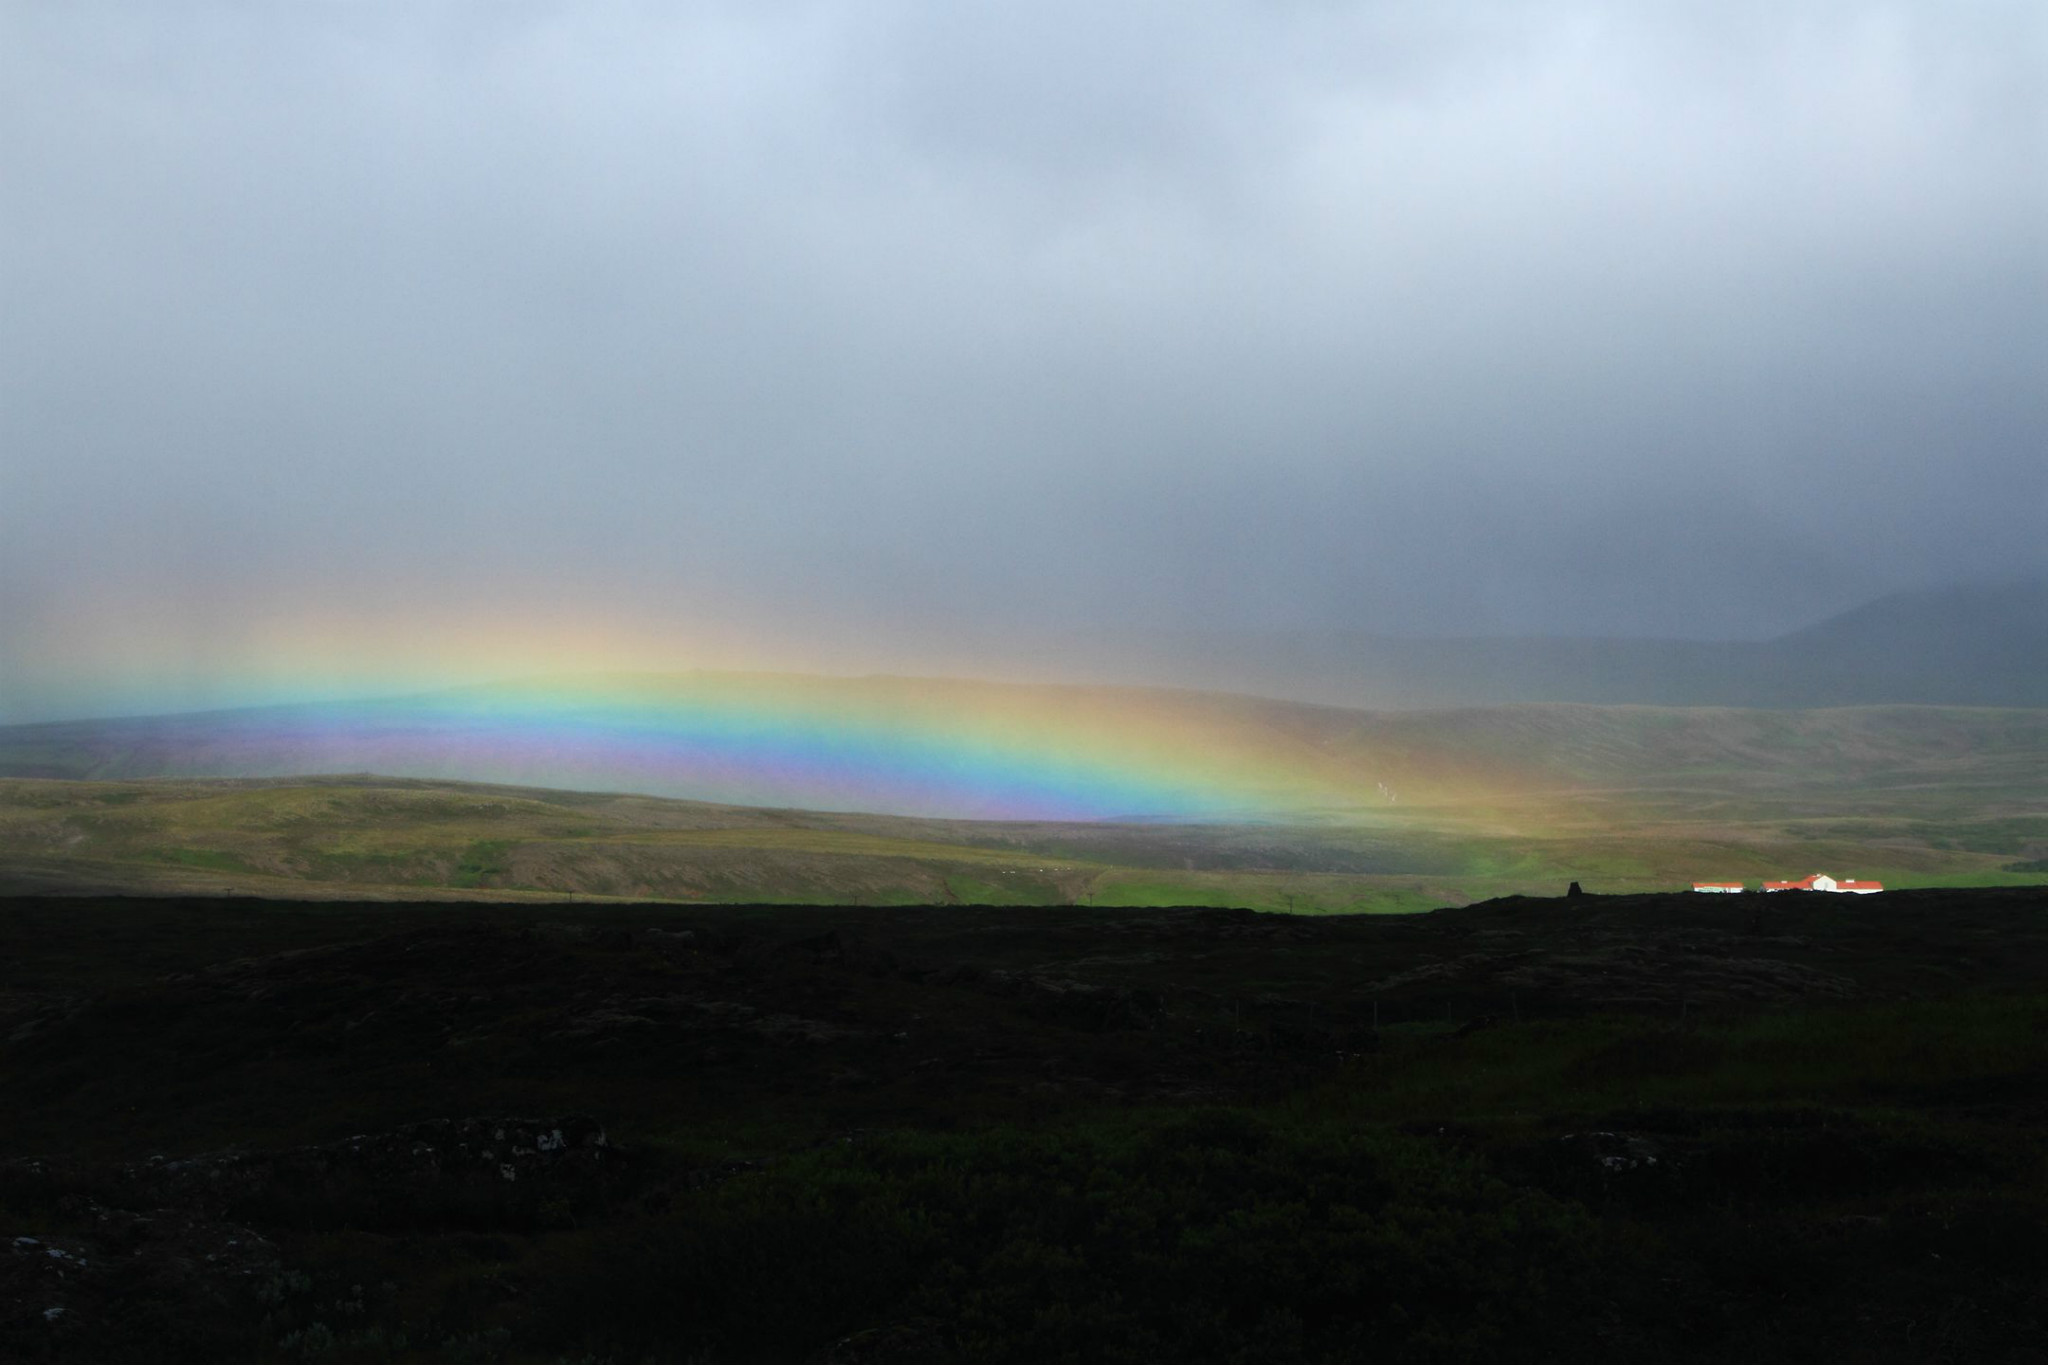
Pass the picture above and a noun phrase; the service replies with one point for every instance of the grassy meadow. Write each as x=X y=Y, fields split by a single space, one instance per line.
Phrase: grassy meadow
x=1436 y=808
x=1382 y=810
x=365 y=835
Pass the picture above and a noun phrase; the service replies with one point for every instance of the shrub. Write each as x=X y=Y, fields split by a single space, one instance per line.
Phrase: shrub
x=1213 y=1236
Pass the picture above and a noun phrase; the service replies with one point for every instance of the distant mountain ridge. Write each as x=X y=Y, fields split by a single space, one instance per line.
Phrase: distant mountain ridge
x=1959 y=646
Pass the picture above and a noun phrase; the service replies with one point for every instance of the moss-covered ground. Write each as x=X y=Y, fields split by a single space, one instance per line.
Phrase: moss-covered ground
x=1598 y=1129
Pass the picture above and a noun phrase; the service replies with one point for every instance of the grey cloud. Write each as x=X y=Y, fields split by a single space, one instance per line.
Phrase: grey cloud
x=1645 y=319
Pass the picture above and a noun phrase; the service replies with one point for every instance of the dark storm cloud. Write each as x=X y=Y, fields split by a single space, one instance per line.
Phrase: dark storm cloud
x=1666 y=319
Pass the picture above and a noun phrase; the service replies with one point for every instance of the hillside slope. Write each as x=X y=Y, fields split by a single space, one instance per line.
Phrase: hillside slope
x=1961 y=646
x=974 y=750
x=1441 y=808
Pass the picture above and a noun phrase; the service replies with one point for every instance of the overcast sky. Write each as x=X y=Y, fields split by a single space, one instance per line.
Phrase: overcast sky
x=1633 y=318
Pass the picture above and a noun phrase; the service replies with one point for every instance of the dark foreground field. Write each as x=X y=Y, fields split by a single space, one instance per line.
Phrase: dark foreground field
x=1637 y=1128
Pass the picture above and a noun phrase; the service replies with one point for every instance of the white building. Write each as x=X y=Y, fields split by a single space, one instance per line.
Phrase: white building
x=1821 y=881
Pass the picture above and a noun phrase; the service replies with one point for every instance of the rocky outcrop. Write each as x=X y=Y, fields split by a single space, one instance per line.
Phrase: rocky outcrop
x=182 y=1233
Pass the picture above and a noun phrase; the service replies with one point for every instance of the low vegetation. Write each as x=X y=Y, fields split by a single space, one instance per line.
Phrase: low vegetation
x=386 y=836
x=1600 y=1128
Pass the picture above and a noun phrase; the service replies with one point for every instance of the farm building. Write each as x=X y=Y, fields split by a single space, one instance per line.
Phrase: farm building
x=1821 y=881
x=1724 y=888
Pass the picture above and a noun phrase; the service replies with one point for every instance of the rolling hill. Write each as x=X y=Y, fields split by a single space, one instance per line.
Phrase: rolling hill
x=750 y=787
x=1955 y=646
x=975 y=750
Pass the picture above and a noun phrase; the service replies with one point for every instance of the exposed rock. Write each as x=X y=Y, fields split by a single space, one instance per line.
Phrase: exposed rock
x=1614 y=1153
x=902 y=1343
x=176 y=1230
x=1078 y=1004
x=568 y=1150
x=77 y=1282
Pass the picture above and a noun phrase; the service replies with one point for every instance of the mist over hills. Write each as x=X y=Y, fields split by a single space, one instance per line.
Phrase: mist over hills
x=1899 y=690
x=957 y=789
x=1953 y=646
x=970 y=750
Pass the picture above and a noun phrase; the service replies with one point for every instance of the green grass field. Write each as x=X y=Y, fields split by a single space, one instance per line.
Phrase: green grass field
x=1520 y=799
x=410 y=837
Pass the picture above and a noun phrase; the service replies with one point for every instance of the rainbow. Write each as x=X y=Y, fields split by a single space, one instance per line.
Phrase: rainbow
x=899 y=746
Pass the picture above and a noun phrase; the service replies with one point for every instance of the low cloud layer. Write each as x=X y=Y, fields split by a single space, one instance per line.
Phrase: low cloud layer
x=774 y=321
